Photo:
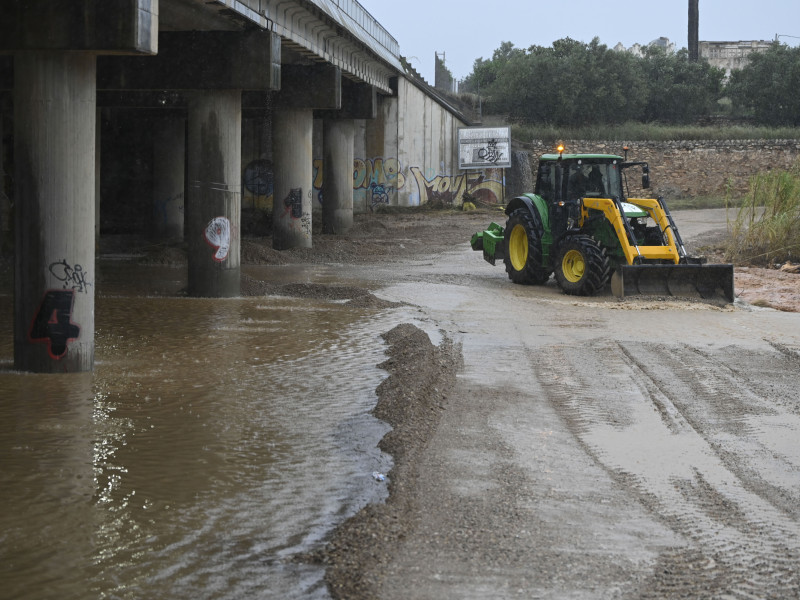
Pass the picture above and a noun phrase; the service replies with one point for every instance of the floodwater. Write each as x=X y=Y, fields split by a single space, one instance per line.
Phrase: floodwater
x=214 y=440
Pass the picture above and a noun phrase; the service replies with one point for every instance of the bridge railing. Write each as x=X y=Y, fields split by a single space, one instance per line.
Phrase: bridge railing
x=367 y=22
x=348 y=13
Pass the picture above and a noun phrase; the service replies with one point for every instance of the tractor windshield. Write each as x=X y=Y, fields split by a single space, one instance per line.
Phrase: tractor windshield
x=588 y=179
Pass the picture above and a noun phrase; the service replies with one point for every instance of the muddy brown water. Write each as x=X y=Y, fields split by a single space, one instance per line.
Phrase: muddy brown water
x=214 y=440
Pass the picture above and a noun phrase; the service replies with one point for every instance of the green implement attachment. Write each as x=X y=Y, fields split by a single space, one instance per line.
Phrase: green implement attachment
x=706 y=281
x=491 y=242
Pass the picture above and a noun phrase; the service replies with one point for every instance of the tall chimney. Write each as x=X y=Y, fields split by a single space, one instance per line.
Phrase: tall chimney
x=694 y=30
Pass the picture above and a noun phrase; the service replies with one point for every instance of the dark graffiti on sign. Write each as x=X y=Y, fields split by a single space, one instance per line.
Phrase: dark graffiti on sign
x=481 y=147
x=491 y=153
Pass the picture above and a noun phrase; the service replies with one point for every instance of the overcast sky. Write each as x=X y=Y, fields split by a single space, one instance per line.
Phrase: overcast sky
x=465 y=30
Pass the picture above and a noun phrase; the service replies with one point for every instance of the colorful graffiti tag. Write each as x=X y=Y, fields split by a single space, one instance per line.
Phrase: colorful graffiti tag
x=377 y=171
x=449 y=189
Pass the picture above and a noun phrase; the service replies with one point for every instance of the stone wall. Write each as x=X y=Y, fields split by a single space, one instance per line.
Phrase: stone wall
x=691 y=169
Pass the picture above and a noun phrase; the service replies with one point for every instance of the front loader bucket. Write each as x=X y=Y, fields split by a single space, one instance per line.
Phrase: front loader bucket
x=709 y=282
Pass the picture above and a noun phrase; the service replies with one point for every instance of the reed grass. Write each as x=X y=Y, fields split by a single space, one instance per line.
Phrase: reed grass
x=767 y=227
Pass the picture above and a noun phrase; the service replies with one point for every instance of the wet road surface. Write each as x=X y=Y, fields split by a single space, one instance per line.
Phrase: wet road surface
x=604 y=449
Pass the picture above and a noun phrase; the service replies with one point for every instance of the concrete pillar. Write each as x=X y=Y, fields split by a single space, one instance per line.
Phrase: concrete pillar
x=169 y=150
x=5 y=202
x=214 y=203
x=293 y=165
x=54 y=144
x=97 y=148
x=337 y=176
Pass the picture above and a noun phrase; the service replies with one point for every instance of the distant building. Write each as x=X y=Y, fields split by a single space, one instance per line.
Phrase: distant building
x=731 y=55
x=725 y=55
x=638 y=49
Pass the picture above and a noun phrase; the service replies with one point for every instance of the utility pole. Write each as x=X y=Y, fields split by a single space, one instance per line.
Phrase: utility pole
x=694 y=30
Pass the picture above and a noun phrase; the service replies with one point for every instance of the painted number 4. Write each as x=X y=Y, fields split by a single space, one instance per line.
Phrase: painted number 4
x=53 y=322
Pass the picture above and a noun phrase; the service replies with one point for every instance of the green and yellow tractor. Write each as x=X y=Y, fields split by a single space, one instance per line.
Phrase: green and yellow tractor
x=580 y=225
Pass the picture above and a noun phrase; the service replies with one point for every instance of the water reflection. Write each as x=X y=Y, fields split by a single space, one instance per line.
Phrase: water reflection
x=215 y=439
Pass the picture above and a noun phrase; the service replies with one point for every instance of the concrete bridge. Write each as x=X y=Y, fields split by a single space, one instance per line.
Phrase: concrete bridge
x=174 y=116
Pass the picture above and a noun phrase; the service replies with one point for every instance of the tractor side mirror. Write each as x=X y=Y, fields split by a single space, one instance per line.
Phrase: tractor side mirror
x=645 y=177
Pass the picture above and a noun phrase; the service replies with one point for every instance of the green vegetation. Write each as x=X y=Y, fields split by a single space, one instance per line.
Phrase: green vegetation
x=767 y=228
x=594 y=90
x=767 y=87
x=636 y=131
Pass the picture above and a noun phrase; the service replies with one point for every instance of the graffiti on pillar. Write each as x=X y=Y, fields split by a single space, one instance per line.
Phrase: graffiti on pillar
x=379 y=195
x=72 y=277
x=217 y=234
x=52 y=324
x=294 y=202
x=317 y=184
x=293 y=206
x=257 y=182
x=448 y=189
x=258 y=177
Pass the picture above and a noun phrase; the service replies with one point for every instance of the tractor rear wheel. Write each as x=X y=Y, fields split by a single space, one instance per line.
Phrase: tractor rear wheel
x=523 y=241
x=582 y=266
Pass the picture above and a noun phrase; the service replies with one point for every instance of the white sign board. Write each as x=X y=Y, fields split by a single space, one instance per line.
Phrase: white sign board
x=484 y=147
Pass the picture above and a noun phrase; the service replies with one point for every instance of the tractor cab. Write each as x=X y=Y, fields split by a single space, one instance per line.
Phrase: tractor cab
x=563 y=180
x=569 y=177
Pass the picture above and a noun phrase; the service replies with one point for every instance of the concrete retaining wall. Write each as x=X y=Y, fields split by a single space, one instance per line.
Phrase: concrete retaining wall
x=408 y=156
x=682 y=169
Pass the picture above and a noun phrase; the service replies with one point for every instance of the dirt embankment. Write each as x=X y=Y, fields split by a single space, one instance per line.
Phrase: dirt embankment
x=411 y=400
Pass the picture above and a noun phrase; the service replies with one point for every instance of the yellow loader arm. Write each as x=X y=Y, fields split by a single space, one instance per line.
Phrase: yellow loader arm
x=664 y=269
x=609 y=208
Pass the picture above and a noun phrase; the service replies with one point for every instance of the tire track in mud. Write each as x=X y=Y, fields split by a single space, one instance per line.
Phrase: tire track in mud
x=705 y=441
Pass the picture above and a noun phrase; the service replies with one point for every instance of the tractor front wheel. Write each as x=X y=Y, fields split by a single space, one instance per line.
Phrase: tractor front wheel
x=582 y=267
x=523 y=240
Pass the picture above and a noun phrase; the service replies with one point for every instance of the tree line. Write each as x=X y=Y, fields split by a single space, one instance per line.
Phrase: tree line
x=573 y=83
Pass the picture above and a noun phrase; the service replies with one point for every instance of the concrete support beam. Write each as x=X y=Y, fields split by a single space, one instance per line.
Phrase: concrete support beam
x=359 y=101
x=292 y=134
x=108 y=26
x=169 y=151
x=337 y=176
x=315 y=86
x=54 y=156
x=198 y=60
x=214 y=203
